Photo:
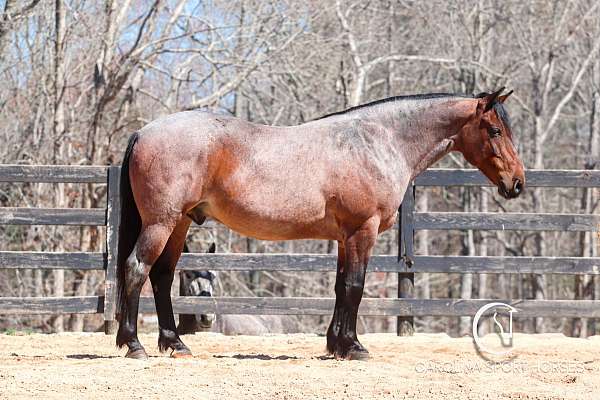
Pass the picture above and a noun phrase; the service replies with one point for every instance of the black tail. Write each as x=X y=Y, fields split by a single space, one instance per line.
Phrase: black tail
x=129 y=229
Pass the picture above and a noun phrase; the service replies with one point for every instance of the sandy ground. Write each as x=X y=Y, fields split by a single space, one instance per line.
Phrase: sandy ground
x=78 y=366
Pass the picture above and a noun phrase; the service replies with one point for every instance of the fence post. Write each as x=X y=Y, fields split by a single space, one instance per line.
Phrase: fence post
x=113 y=214
x=406 y=279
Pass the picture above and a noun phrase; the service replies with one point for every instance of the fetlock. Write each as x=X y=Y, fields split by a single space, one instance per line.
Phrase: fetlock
x=168 y=339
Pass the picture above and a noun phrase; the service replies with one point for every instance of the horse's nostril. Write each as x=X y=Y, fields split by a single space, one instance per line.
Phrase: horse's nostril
x=518 y=186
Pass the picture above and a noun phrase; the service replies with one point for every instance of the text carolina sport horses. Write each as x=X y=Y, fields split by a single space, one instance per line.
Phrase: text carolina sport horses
x=341 y=178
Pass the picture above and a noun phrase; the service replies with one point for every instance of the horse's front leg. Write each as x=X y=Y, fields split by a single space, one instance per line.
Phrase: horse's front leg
x=353 y=257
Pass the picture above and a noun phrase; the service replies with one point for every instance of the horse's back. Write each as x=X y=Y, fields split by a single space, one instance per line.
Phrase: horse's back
x=190 y=127
x=272 y=183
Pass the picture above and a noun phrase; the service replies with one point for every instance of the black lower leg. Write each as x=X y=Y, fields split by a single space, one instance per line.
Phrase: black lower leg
x=342 y=340
x=335 y=327
x=162 y=278
x=127 y=333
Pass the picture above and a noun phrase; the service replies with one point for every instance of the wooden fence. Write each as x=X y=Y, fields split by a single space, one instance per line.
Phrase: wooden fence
x=406 y=264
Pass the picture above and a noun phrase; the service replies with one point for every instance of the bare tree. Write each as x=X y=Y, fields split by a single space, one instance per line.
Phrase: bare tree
x=77 y=77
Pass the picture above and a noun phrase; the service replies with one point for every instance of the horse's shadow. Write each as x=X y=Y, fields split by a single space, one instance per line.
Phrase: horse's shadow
x=87 y=356
x=264 y=357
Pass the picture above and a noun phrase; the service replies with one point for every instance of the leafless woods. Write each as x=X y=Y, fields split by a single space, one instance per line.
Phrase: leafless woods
x=77 y=77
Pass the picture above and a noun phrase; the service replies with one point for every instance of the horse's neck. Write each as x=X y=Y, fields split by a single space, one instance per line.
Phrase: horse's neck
x=423 y=130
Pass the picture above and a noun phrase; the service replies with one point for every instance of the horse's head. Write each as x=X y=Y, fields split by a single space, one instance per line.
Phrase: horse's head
x=486 y=142
x=197 y=283
x=200 y=283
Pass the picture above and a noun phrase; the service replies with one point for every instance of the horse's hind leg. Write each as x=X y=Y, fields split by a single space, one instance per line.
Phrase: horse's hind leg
x=161 y=276
x=148 y=248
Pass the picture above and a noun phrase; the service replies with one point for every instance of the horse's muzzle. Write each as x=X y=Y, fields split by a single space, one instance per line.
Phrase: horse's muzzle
x=205 y=321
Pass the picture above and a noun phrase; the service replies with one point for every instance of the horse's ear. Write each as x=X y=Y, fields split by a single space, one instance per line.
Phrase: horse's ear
x=212 y=248
x=503 y=98
x=487 y=102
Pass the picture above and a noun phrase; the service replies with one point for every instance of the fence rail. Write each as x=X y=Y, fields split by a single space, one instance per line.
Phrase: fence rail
x=506 y=221
x=305 y=306
x=406 y=263
x=53 y=173
x=535 y=178
x=52 y=216
x=316 y=263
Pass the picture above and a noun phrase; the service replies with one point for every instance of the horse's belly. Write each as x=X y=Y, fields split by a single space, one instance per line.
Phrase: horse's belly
x=274 y=219
x=277 y=230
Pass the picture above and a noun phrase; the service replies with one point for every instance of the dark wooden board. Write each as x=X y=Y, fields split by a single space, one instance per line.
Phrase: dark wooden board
x=315 y=263
x=51 y=305
x=113 y=216
x=276 y=262
x=406 y=280
x=305 y=306
x=51 y=260
x=52 y=216
x=375 y=307
x=510 y=265
x=53 y=173
x=431 y=177
x=535 y=178
x=507 y=221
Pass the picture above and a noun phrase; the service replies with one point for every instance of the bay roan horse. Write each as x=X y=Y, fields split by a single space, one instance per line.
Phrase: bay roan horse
x=341 y=177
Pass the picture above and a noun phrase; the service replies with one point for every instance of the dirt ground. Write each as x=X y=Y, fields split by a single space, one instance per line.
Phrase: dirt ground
x=426 y=366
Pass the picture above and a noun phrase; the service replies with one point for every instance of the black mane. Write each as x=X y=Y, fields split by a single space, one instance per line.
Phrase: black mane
x=498 y=107
x=502 y=114
x=395 y=98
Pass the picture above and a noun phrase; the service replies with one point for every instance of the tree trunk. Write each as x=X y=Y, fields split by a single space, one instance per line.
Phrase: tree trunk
x=58 y=131
x=483 y=251
x=483 y=207
x=466 y=281
x=538 y=282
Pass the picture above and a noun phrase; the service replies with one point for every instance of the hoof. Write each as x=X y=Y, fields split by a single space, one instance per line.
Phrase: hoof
x=137 y=354
x=181 y=353
x=358 y=354
x=348 y=351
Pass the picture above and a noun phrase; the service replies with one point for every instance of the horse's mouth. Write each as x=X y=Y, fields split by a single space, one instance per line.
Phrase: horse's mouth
x=503 y=192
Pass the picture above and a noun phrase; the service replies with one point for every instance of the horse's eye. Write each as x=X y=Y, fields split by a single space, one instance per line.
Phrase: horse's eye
x=494 y=132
